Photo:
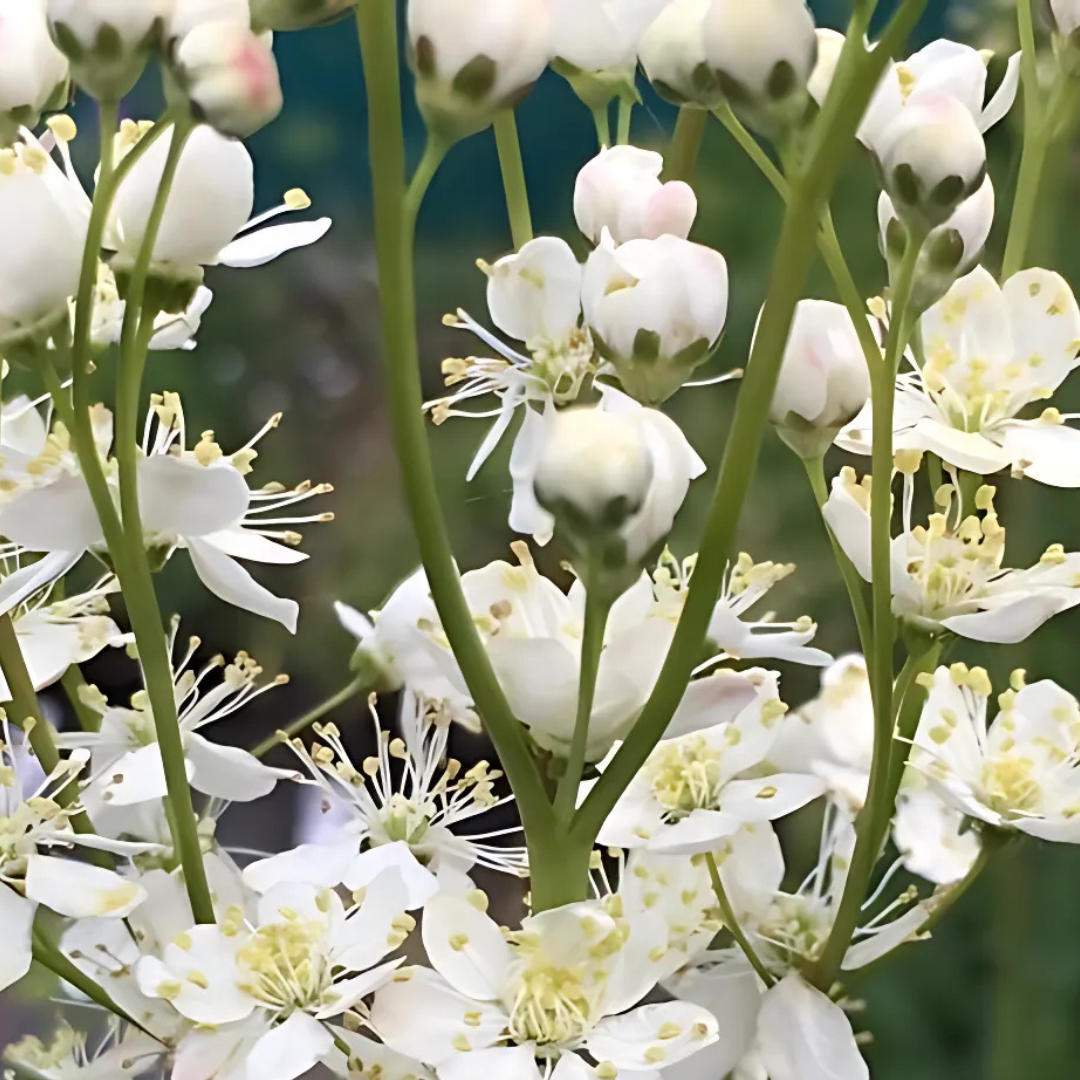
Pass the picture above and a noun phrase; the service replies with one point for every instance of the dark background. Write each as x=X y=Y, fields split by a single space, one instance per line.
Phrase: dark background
x=996 y=993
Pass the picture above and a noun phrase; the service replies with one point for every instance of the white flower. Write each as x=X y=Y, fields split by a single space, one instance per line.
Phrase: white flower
x=671 y=463
x=209 y=205
x=125 y=759
x=66 y=1057
x=690 y=794
x=991 y=351
x=32 y=821
x=32 y=69
x=525 y=1006
x=951 y=250
x=533 y=296
x=1019 y=772
x=421 y=812
x=1066 y=16
x=473 y=60
x=295 y=14
x=832 y=736
x=54 y=634
x=107 y=41
x=942 y=67
x=264 y=989
x=948 y=576
x=933 y=158
x=620 y=190
x=824 y=380
x=656 y=309
x=600 y=35
x=672 y=52
x=231 y=77
x=195 y=499
x=762 y=56
x=43 y=221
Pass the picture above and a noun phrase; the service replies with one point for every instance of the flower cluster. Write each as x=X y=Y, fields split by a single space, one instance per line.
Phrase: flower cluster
x=646 y=751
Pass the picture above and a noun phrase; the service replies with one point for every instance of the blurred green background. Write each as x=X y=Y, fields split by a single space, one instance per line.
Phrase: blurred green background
x=996 y=994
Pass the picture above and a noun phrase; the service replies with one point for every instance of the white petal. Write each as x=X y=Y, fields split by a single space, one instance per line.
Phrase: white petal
x=26 y=581
x=265 y=245
x=243 y=544
x=700 y=831
x=420 y=883
x=1007 y=624
x=536 y=293
x=891 y=937
x=1046 y=452
x=290 y=1049
x=183 y=498
x=466 y=947
x=136 y=777
x=770 y=797
x=850 y=524
x=357 y=624
x=58 y=517
x=227 y=579
x=707 y=702
x=17 y=918
x=218 y=1053
x=804 y=1036
x=317 y=864
x=966 y=450
x=502 y=1062
x=348 y=992
x=229 y=772
x=632 y=1041
x=80 y=890
x=1002 y=101
x=375 y=1059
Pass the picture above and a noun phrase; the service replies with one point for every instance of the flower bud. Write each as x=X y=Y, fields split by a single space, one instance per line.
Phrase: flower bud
x=33 y=72
x=620 y=190
x=230 y=76
x=210 y=201
x=824 y=380
x=187 y=14
x=296 y=14
x=1066 y=15
x=656 y=309
x=763 y=54
x=473 y=60
x=933 y=158
x=43 y=220
x=672 y=52
x=595 y=44
x=951 y=250
x=107 y=41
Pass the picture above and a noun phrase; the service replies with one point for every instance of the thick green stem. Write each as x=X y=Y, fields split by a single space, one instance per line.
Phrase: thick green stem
x=557 y=869
x=857 y=75
x=878 y=806
x=815 y=471
x=513 y=178
x=597 y=607
x=302 y=723
x=731 y=921
x=682 y=152
x=73 y=682
x=394 y=238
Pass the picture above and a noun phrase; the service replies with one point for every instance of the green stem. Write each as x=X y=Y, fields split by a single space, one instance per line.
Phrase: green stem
x=72 y=681
x=513 y=178
x=25 y=713
x=828 y=242
x=858 y=72
x=626 y=115
x=880 y=661
x=558 y=868
x=601 y=119
x=597 y=608
x=815 y=471
x=49 y=956
x=395 y=225
x=732 y=923
x=434 y=152
x=682 y=152
x=302 y=723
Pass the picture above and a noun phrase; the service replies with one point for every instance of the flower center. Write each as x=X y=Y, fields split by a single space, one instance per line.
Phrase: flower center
x=551 y=1006
x=404 y=819
x=1011 y=784
x=287 y=963
x=563 y=366
x=686 y=775
x=797 y=925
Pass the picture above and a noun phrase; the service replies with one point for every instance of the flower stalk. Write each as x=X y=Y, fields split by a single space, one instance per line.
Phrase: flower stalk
x=513 y=178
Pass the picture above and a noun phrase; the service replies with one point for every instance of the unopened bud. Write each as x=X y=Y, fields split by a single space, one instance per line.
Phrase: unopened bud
x=33 y=72
x=1066 y=16
x=672 y=52
x=230 y=76
x=824 y=381
x=951 y=249
x=296 y=14
x=933 y=158
x=620 y=190
x=763 y=54
x=474 y=60
x=107 y=41
x=656 y=309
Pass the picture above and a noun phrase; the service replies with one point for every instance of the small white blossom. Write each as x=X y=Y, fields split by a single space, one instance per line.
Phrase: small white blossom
x=991 y=351
x=600 y=37
x=672 y=52
x=67 y=1056
x=33 y=72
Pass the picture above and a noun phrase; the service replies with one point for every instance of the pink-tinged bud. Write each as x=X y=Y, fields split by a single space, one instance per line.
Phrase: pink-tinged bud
x=107 y=41
x=620 y=190
x=33 y=72
x=672 y=52
x=230 y=76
